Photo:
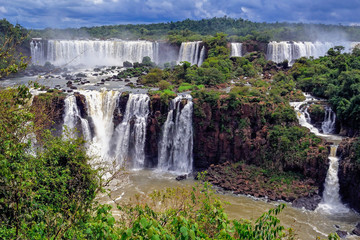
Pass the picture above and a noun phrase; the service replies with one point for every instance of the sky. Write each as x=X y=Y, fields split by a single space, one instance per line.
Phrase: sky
x=38 y=14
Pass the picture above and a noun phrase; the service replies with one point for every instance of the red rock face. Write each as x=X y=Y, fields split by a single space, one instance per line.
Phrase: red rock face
x=222 y=135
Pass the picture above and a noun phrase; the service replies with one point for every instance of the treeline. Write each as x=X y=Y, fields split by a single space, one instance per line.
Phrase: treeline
x=237 y=29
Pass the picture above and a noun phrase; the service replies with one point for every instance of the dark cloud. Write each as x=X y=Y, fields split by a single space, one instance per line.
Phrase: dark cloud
x=71 y=13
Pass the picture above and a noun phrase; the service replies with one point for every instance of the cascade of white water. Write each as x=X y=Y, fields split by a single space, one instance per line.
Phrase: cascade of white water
x=331 y=202
x=191 y=52
x=202 y=56
x=328 y=125
x=280 y=51
x=37 y=52
x=175 y=148
x=72 y=118
x=236 y=50
x=101 y=106
x=129 y=135
x=96 y=52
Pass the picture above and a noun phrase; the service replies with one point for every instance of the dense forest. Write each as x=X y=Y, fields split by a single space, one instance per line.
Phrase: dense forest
x=238 y=30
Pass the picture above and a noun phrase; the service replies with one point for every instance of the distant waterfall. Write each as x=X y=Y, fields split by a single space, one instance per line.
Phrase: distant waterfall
x=328 y=125
x=192 y=52
x=236 y=50
x=93 y=52
x=175 y=148
x=280 y=51
x=72 y=119
x=130 y=134
x=331 y=202
x=37 y=52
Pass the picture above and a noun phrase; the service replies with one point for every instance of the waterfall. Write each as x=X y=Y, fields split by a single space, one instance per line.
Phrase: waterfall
x=331 y=202
x=202 y=56
x=236 y=50
x=101 y=106
x=72 y=118
x=280 y=51
x=129 y=135
x=93 y=52
x=192 y=53
x=37 y=52
x=175 y=148
x=328 y=125
x=125 y=143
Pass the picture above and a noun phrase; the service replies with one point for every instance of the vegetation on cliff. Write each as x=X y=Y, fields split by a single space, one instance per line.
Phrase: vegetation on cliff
x=335 y=77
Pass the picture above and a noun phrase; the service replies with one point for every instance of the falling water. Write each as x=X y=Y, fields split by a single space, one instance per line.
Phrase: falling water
x=331 y=202
x=175 y=148
x=236 y=50
x=328 y=125
x=280 y=51
x=93 y=52
x=72 y=118
x=101 y=106
x=37 y=52
x=192 y=53
x=129 y=135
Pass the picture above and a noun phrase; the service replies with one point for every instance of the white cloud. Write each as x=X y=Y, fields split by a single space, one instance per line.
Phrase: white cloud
x=3 y=9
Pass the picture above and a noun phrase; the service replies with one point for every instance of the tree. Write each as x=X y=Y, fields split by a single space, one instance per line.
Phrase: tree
x=11 y=38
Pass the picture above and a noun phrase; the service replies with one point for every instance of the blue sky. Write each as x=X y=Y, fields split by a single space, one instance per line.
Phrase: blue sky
x=76 y=13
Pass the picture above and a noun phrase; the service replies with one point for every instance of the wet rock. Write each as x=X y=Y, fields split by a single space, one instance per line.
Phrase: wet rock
x=356 y=230
x=341 y=234
x=309 y=203
x=81 y=75
x=180 y=177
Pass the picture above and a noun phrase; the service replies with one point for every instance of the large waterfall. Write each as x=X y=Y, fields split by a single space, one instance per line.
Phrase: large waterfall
x=236 y=50
x=37 y=50
x=124 y=143
x=100 y=109
x=175 y=148
x=129 y=136
x=93 y=52
x=280 y=51
x=192 y=52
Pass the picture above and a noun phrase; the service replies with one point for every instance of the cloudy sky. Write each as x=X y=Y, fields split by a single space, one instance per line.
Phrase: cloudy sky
x=76 y=13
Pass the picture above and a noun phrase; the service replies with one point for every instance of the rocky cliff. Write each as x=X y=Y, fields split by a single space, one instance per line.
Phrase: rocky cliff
x=349 y=172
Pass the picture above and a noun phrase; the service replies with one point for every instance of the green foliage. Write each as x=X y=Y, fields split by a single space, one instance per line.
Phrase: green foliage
x=153 y=77
x=194 y=213
x=335 y=77
x=45 y=192
x=290 y=146
x=238 y=30
x=12 y=42
x=163 y=85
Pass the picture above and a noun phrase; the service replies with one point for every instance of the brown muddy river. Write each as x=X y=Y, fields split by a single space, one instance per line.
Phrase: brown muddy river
x=307 y=224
